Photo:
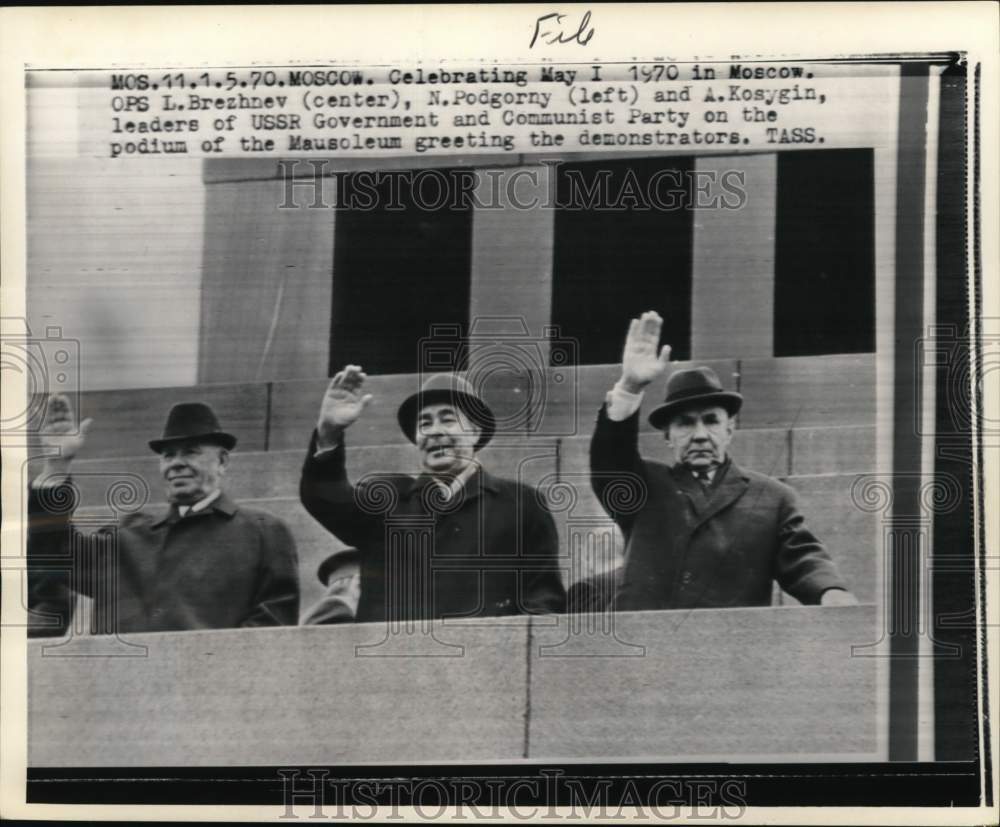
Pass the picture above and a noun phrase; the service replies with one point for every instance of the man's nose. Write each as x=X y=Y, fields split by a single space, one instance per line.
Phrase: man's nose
x=700 y=431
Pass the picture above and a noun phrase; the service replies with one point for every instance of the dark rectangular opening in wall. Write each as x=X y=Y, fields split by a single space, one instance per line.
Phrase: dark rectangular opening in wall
x=622 y=246
x=824 y=263
x=401 y=267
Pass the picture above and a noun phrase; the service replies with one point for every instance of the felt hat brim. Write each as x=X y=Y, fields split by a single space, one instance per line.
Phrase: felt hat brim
x=227 y=441
x=731 y=401
x=472 y=406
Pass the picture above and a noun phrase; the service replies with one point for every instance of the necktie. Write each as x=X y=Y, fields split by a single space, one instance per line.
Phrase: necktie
x=702 y=476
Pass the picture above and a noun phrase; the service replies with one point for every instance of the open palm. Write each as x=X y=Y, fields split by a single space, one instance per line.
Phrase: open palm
x=59 y=429
x=60 y=433
x=643 y=360
x=343 y=402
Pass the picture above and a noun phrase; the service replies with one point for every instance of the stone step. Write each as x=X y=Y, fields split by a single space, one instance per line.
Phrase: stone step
x=782 y=393
x=260 y=474
x=834 y=450
x=268 y=474
x=800 y=391
x=572 y=396
x=124 y=421
x=295 y=406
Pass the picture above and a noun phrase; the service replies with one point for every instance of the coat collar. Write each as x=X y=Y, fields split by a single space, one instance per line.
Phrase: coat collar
x=474 y=485
x=724 y=492
x=222 y=504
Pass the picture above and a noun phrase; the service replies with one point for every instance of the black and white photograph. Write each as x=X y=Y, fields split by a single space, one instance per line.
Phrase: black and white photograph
x=500 y=412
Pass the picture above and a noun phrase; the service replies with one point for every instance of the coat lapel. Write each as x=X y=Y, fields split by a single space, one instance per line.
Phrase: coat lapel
x=478 y=483
x=473 y=488
x=732 y=486
x=692 y=490
x=164 y=515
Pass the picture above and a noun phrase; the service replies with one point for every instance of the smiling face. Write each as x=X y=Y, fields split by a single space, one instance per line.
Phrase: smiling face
x=192 y=470
x=700 y=436
x=446 y=439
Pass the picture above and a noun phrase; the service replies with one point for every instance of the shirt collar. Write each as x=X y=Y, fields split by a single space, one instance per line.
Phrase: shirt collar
x=713 y=473
x=455 y=486
x=201 y=505
x=471 y=480
x=218 y=502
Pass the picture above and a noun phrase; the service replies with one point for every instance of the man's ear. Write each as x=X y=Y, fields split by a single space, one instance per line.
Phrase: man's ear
x=731 y=424
x=223 y=458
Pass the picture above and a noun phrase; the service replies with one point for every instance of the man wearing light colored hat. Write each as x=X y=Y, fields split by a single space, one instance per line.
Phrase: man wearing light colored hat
x=201 y=562
x=453 y=541
x=702 y=532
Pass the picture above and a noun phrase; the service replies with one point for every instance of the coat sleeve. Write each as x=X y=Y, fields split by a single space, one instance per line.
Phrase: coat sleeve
x=617 y=473
x=50 y=567
x=330 y=498
x=543 y=589
x=276 y=599
x=804 y=569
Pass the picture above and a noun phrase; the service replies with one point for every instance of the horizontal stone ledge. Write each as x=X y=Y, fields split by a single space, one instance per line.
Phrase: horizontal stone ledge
x=755 y=681
x=835 y=390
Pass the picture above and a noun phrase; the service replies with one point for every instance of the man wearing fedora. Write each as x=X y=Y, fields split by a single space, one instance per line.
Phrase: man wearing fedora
x=453 y=541
x=702 y=532
x=201 y=562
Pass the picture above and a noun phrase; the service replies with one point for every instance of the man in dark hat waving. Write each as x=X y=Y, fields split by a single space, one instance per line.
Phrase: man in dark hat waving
x=701 y=532
x=454 y=541
x=202 y=562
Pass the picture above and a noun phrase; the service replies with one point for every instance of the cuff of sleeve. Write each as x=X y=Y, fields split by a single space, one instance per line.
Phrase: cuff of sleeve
x=622 y=403
x=50 y=481
x=316 y=451
x=811 y=589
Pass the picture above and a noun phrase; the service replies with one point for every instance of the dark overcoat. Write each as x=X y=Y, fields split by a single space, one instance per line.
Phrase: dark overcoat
x=492 y=550
x=223 y=567
x=691 y=548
